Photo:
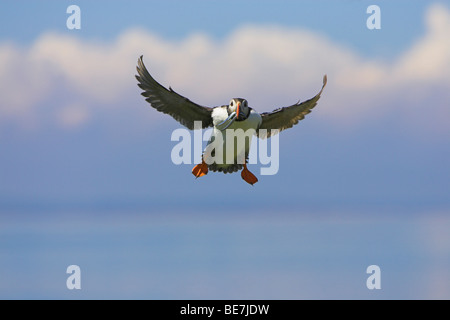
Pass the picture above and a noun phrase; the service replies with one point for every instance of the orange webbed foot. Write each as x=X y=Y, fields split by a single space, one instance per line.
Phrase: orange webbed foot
x=248 y=176
x=200 y=170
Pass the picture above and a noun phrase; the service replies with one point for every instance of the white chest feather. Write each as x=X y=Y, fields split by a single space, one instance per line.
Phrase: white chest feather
x=232 y=145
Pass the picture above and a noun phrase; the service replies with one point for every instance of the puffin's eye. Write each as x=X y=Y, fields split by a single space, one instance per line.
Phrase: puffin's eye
x=232 y=103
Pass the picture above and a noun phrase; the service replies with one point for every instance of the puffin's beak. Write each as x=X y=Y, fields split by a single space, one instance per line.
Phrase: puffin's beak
x=237 y=110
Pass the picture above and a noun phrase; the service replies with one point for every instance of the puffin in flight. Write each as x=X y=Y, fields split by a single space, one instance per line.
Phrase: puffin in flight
x=236 y=115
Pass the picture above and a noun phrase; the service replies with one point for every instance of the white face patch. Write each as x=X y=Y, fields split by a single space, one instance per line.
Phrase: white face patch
x=233 y=105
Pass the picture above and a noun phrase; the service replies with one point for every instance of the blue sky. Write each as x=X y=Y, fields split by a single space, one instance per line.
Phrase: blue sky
x=80 y=146
x=341 y=21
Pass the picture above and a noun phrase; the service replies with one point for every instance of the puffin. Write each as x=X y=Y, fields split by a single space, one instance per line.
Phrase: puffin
x=237 y=116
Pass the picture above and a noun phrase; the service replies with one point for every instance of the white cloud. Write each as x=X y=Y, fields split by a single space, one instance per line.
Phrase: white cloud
x=271 y=66
x=429 y=59
x=22 y=82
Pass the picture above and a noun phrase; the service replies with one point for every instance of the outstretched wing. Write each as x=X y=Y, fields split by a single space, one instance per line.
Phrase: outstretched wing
x=168 y=101
x=287 y=117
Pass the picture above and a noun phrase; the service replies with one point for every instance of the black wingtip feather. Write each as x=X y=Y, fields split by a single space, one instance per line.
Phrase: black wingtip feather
x=169 y=102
